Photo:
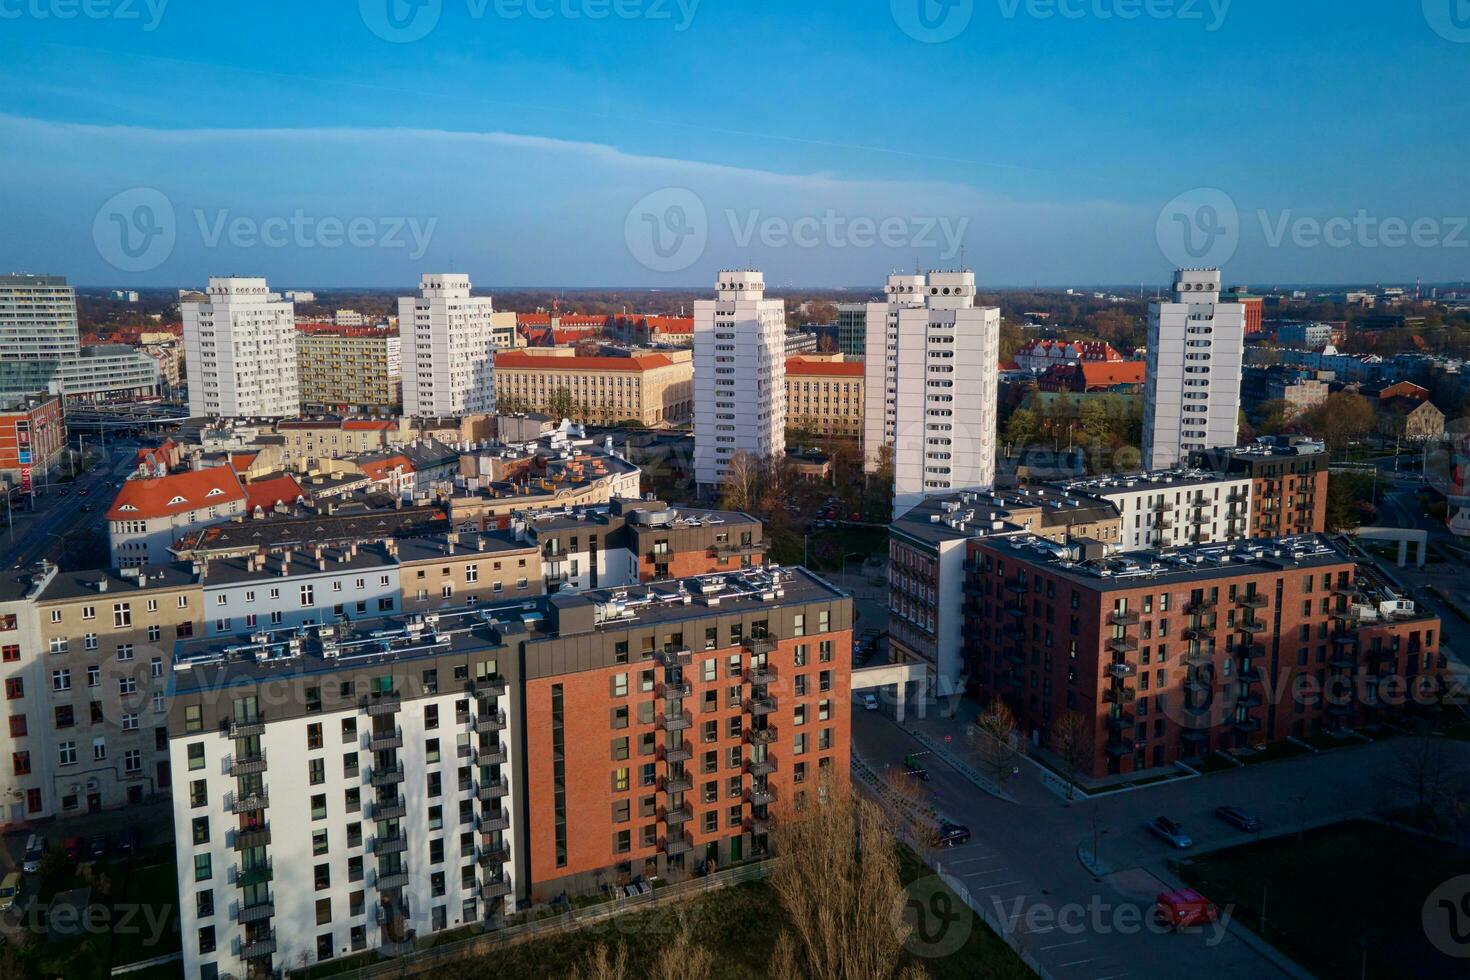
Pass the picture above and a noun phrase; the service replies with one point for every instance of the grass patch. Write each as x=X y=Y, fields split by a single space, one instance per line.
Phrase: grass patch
x=1339 y=894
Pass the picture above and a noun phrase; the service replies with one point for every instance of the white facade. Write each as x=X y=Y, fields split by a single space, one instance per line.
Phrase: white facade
x=1174 y=509
x=880 y=364
x=240 y=351
x=739 y=375
x=947 y=386
x=448 y=349
x=1195 y=348
x=340 y=588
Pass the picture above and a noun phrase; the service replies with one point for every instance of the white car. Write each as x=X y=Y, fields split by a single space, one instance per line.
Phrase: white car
x=870 y=702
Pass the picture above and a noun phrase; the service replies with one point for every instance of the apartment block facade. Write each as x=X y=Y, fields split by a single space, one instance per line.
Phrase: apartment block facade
x=880 y=364
x=1174 y=509
x=448 y=348
x=350 y=370
x=240 y=351
x=824 y=396
x=1288 y=477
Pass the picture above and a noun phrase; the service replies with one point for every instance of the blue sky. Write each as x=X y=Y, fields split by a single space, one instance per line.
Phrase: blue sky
x=652 y=142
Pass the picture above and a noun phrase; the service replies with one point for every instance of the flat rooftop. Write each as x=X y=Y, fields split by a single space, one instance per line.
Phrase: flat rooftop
x=1142 y=482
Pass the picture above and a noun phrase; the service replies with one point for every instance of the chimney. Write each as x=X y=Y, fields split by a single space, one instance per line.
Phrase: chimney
x=102 y=584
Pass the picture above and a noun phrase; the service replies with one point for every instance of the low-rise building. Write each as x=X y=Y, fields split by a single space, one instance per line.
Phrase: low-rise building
x=1173 y=508
x=824 y=396
x=653 y=389
x=1410 y=419
x=150 y=513
x=32 y=439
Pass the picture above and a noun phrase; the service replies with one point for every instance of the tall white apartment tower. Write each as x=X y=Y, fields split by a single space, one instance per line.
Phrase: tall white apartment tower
x=240 y=351
x=947 y=386
x=448 y=349
x=880 y=361
x=1195 y=348
x=739 y=375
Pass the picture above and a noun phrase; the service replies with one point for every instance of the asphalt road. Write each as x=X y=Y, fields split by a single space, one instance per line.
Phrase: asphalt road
x=1023 y=859
x=56 y=516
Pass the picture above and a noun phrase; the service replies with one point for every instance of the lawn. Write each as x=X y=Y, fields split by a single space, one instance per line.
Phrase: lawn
x=1344 y=892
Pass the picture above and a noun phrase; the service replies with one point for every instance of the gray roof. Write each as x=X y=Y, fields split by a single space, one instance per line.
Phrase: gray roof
x=119 y=583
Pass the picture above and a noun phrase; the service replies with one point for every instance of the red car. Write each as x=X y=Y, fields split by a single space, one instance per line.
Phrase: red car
x=1185 y=908
x=73 y=847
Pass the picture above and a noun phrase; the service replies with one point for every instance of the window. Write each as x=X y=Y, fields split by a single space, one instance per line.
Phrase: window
x=122 y=615
x=202 y=868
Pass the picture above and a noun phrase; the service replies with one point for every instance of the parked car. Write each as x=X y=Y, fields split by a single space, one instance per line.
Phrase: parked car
x=870 y=701
x=35 y=851
x=1169 y=831
x=73 y=847
x=1238 y=818
x=97 y=847
x=1185 y=908
x=950 y=835
x=10 y=890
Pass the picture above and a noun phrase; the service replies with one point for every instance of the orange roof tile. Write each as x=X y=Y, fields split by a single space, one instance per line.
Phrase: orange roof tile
x=176 y=494
x=639 y=362
x=1109 y=373
x=369 y=425
x=827 y=369
x=265 y=494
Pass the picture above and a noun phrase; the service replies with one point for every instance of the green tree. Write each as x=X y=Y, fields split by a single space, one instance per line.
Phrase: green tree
x=561 y=405
x=1023 y=427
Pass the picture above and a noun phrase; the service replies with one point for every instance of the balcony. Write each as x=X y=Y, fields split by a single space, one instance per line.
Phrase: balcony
x=255 y=913
x=261 y=946
x=489 y=722
x=761 y=796
x=763 y=767
x=1014 y=656
x=494 y=821
x=1120 y=722
x=758 y=825
x=674 y=723
x=252 y=837
x=1198 y=658
x=496 y=789
x=492 y=855
x=674 y=846
x=1251 y=626
x=1015 y=609
x=674 y=656
x=1199 y=606
x=246 y=765
x=1121 y=747
x=1250 y=675
x=1198 y=633
x=382 y=704
x=395 y=844
x=735 y=550
x=247 y=727
x=396 y=810
x=490 y=755
x=759 y=644
x=247 y=804
x=393 y=879
x=1119 y=695
x=1246 y=725
x=1017 y=587
x=764 y=674
x=493 y=687
x=1254 y=651
x=677 y=782
x=494 y=888
x=760 y=706
x=378 y=741
x=678 y=753
x=386 y=777
x=676 y=815
x=678 y=689
x=1123 y=619
x=1164 y=506
x=1122 y=644
x=1253 y=601
x=1121 y=669
x=255 y=874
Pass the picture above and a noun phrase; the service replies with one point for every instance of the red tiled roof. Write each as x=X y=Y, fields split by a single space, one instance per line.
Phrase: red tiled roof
x=242 y=461
x=176 y=494
x=265 y=494
x=369 y=425
x=1105 y=374
x=640 y=362
x=826 y=369
x=379 y=469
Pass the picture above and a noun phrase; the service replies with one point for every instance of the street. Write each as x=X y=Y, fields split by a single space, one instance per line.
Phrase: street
x=57 y=515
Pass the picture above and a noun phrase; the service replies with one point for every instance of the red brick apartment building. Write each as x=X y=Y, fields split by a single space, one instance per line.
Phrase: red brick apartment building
x=1288 y=484
x=666 y=725
x=1173 y=655
x=32 y=436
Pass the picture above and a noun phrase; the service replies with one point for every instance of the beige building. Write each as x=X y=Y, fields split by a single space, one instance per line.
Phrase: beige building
x=349 y=368
x=465 y=569
x=655 y=389
x=824 y=395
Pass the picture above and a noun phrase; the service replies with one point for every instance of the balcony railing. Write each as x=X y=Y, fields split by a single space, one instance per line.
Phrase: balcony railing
x=492 y=789
x=494 y=821
x=386 y=777
x=674 y=656
x=676 y=815
x=1123 y=618
x=1200 y=606
x=255 y=874
x=676 y=689
x=1252 y=601
x=676 y=753
x=255 y=913
x=760 y=643
x=378 y=741
x=761 y=706
x=1120 y=722
x=1122 y=644
x=259 y=947
x=1251 y=626
x=382 y=704
x=252 y=837
x=245 y=728
x=494 y=888
x=673 y=846
x=678 y=783
x=761 y=796
x=489 y=722
x=1119 y=695
x=490 y=686
x=395 y=844
x=764 y=674
x=395 y=810
x=492 y=855
x=675 y=723
x=1121 y=669
x=761 y=736
x=391 y=880
x=758 y=825
x=763 y=767
x=247 y=804
x=245 y=765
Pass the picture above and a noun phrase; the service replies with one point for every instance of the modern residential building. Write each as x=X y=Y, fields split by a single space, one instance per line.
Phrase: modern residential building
x=947 y=389
x=240 y=351
x=653 y=389
x=32 y=439
x=880 y=364
x=739 y=375
x=1168 y=656
x=800 y=342
x=1288 y=477
x=824 y=396
x=1192 y=390
x=1175 y=508
x=1313 y=336
x=350 y=369
x=150 y=513
x=448 y=346
x=852 y=328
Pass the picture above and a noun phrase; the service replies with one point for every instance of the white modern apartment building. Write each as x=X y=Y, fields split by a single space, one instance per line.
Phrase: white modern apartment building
x=1192 y=394
x=880 y=364
x=1174 y=508
x=341 y=791
x=300 y=588
x=240 y=351
x=945 y=399
x=448 y=349
x=739 y=375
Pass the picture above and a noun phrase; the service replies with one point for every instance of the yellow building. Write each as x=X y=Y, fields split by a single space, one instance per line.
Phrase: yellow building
x=655 y=389
x=349 y=368
x=824 y=396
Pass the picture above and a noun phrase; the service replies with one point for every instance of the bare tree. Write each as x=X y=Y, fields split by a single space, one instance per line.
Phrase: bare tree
x=682 y=959
x=741 y=488
x=1424 y=769
x=841 y=903
x=997 y=741
x=1072 y=741
x=603 y=964
x=908 y=805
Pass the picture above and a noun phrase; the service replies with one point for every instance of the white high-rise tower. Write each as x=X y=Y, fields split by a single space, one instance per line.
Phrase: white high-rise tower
x=947 y=387
x=448 y=348
x=240 y=351
x=739 y=375
x=1192 y=393
x=880 y=362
